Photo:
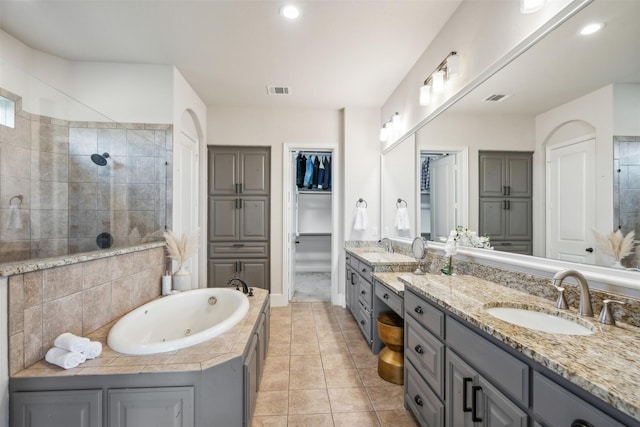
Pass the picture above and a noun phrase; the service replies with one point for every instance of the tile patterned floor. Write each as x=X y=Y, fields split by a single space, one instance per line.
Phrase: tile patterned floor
x=320 y=372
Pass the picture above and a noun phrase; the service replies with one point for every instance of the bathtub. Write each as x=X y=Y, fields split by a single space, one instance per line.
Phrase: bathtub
x=178 y=321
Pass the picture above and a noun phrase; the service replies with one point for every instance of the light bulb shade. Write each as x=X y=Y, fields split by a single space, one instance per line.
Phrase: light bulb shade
x=395 y=121
x=384 y=134
x=530 y=6
x=453 y=66
x=438 y=81
x=425 y=95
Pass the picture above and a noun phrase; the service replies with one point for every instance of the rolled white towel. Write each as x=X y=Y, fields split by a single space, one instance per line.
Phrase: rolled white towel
x=71 y=342
x=64 y=358
x=93 y=350
x=362 y=219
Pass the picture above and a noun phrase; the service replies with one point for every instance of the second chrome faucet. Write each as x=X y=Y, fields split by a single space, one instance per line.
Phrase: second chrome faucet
x=584 y=308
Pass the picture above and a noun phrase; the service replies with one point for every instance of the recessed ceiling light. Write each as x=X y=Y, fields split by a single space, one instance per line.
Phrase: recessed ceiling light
x=591 y=28
x=290 y=11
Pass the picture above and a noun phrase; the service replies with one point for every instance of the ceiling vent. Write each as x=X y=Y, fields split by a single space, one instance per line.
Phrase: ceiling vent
x=496 y=98
x=277 y=90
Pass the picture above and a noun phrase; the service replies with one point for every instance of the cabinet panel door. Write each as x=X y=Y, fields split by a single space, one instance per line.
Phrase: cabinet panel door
x=254 y=218
x=497 y=410
x=426 y=352
x=519 y=175
x=77 y=408
x=158 y=407
x=220 y=271
x=518 y=219
x=460 y=378
x=492 y=214
x=250 y=380
x=223 y=171
x=492 y=176
x=254 y=172
x=223 y=218
x=255 y=272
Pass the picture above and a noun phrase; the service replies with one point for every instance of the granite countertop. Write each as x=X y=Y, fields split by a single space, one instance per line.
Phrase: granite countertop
x=198 y=357
x=605 y=364
x=391 y=281
x=378 y=256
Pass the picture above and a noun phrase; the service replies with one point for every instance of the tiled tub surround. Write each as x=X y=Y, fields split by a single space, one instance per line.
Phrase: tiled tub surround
x=78 y=298
x=67 y=200
x=605 y=364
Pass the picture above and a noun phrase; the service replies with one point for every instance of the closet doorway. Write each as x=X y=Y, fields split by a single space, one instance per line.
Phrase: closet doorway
x=310 y=224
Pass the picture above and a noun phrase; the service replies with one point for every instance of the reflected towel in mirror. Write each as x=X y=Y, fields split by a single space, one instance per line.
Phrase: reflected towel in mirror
x=402 y=219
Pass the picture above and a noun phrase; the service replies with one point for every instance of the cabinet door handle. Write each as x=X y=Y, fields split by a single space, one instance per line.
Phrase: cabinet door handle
x=418 y=400
x=465 y=402
x=385 y=296
x=581 y=423
x=364 y=270
x=418 y=310
x=363 y=292
x=240 y=203
x=239 y=265
x=362 y=322
x=238 y=245
x=419 y=349
x=508 y=190
x=590 y=250
x=504 y=190
x=508 y=205
x=474 y=404
x=240 y=185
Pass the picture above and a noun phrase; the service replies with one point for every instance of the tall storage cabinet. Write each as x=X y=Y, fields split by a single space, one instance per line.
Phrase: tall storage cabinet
x=239 y=197
x=505 y=200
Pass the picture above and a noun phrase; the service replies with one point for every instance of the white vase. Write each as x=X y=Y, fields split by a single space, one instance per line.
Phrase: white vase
x=617 y=264
x=182 y=280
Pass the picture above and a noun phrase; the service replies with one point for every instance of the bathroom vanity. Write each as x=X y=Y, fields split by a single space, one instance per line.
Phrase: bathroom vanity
x=216 y=381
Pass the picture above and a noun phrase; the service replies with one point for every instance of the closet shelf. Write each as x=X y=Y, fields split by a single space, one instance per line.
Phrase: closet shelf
x=314 y=191
x=314 y=234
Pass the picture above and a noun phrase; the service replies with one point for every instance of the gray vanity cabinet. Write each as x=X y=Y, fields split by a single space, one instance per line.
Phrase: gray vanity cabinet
x=505 y=174
x=238 y=218
x=351 y=284
x=236 y=170
x=158 y=407
x=73 y=408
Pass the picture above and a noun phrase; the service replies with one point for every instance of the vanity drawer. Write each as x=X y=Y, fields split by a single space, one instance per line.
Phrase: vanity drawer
x=426 y=314
x=390 y=298
x=556 y=406
x=365 y=271
x=426 y=352
x=365 y=293
x=422 y=401
x=352 y=261
x=246 y=250
x=363 y=317
x=500 y=367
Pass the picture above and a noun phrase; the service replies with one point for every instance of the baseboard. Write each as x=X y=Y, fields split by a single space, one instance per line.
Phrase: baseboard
x=279 y=300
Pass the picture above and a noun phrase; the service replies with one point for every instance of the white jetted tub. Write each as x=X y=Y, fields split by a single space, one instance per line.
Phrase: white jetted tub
x=178 y=321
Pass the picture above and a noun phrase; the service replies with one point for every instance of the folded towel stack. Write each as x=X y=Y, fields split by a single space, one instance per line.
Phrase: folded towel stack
x=70 y=350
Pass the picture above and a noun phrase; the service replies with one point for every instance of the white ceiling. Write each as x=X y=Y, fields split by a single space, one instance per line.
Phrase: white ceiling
x=339 y=53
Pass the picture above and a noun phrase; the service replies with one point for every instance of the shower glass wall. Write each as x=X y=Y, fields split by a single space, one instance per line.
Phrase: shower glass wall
x=55 y=200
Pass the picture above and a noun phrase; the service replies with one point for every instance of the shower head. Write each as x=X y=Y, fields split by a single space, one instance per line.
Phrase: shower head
x=100 y=159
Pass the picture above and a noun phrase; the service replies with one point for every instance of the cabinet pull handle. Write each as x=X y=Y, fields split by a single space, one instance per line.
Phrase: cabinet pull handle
x=363 y=292
x=504 y=190
x=240 y=203
x=474 y=404
x=238 y=245
x=364 y=270
x=239 y=265
x=590 y=250
x=418 y=400
x=419 y=349
x=581 y=423
x=508 y=190
x=385 y=296
x=240 y=185
x=236 y=266
x=418 y=310
x=508 y=205
x=465 y=402
x=362 y=322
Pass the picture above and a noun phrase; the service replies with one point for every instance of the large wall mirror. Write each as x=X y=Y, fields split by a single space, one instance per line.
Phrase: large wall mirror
x=572 y=103
x=71 y=179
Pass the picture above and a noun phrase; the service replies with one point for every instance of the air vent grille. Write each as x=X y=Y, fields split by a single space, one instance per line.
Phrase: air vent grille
x=277 y=90
x=496 y=98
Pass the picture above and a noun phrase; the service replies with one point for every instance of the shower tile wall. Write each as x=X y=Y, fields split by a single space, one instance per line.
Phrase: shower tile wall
x=627 y=188
x=67 y=200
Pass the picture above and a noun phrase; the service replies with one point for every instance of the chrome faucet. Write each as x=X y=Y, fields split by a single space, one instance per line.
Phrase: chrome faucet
x=386 y=243
x=584 y=309
x=245 y=288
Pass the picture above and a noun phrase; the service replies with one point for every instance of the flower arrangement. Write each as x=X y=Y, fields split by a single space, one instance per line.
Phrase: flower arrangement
x=461 y=236
x=181 y=248
x=616 y=244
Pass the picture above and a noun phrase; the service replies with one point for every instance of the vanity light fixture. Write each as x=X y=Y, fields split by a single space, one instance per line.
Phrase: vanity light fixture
x=591 y=28
x=390 y=127
x=290 y=11
x=530 y=6
x=448 y=69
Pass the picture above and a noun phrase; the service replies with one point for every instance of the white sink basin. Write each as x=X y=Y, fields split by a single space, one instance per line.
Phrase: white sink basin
x=539 y=321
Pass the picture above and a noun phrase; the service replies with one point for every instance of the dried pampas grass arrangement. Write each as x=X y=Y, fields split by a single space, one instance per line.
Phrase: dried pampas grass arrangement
x=616 y=244
x=180 y=248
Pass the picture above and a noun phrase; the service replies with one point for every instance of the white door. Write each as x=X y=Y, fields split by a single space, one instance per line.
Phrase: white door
x=571 y=201
x=443 y=197
x=185 y=199
x=292 y=239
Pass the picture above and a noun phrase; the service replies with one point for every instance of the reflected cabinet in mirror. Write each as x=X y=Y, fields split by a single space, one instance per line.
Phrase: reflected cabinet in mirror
x=72 y=181
x=571 y=106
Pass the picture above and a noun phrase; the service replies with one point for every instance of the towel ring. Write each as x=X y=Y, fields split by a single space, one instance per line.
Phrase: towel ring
x=360 y=202
x=18 y=198
x=399 y=203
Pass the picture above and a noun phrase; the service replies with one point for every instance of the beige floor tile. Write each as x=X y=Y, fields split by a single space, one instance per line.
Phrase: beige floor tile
x=342 y=378
x=329 y=335
x=355 y=419
x=269 y=421
x=365 y=360
x=300 y=362
x=279 y=349
x=337 y=361
x=275 y=380
x=304 y=336
x=309 y=402
x=359 y=346
x=370 y=378
x=329 y=347
x=314 y=420
x=307 y=379
x=272 y=403
x=349 y=399
x=386 y=397
x=397 y=418
x=276 y=363
x=277 y=337
x=304 y=348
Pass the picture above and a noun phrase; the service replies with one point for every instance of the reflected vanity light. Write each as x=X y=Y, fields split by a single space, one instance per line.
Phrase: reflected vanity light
x=448 y=69
x=530 y=6
x=591 y=28
x=390 y=127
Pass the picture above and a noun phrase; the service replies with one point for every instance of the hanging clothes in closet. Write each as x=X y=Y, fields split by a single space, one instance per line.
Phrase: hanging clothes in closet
x=301 y=168
x=425 y=180
x=313 y=171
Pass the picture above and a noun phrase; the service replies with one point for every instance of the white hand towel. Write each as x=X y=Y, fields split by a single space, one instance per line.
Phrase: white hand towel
x=64 y=358
x=71 y=342
x=362 y=220
x=92 y=350
x=402 y=219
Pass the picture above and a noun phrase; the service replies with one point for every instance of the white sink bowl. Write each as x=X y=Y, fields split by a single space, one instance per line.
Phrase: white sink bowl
x=539 y=321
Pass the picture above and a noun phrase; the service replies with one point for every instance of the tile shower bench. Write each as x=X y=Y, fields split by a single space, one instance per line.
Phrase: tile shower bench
x=215 y=381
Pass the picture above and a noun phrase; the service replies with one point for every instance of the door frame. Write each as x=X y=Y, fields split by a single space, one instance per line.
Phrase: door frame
x=287 y=185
